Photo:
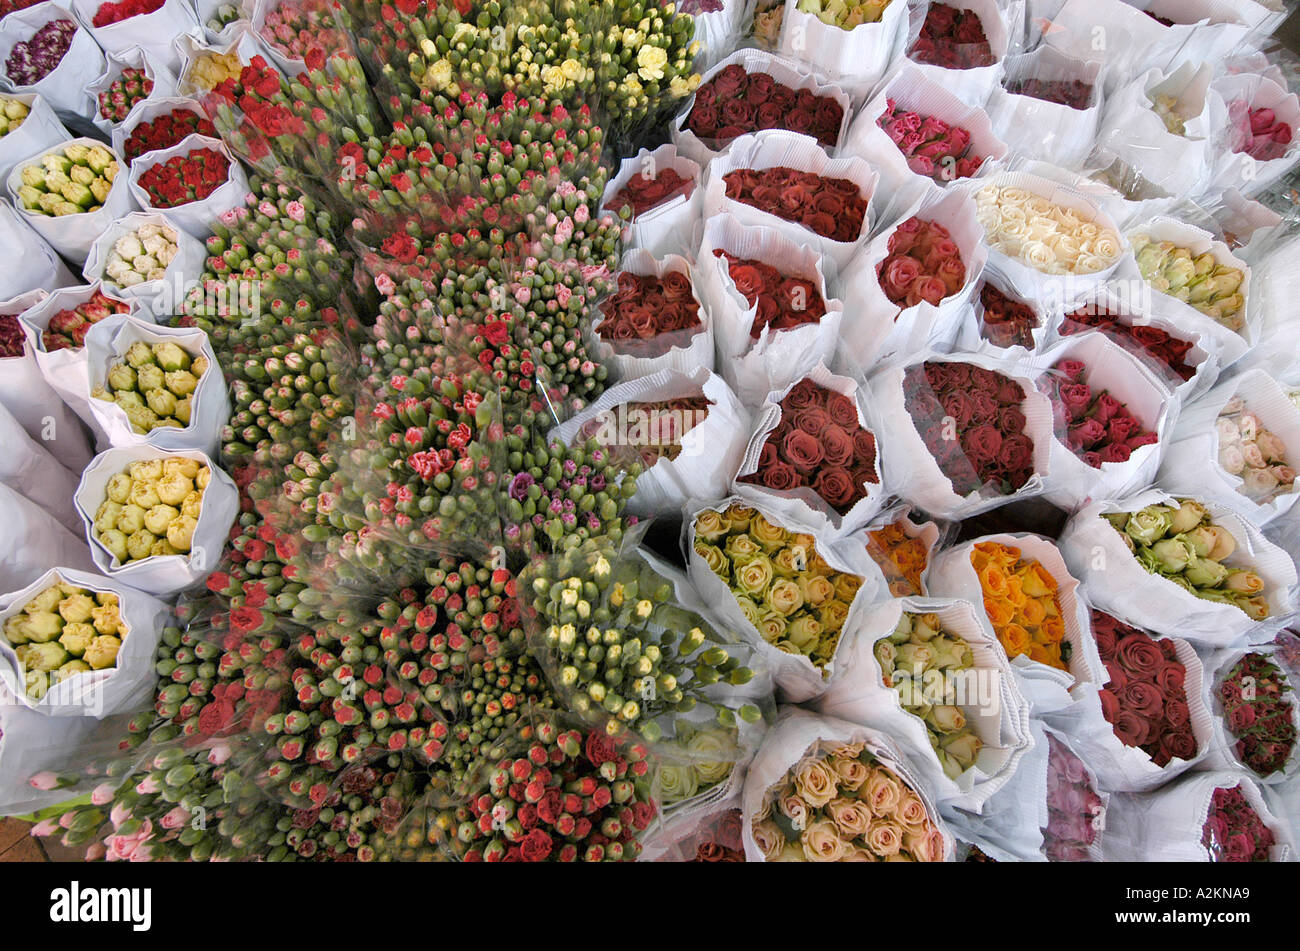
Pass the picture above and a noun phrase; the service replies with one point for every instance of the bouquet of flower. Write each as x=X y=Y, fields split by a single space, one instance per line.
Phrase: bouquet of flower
x=830 y=207
x=840 y=803
x=151 y=508
x=1096 y=427
x=1152 y=342
x=13 y=342
x=1022 y=604
x=64 y=630
x=784 y=588
x=154 y=385
x=141 y=255
x=818 y=443
x=1233 y=831
x=165 y=131
x=1258 y=712
x=1258 y=133
x=703 y=757
x=67 y=329
x=643 y=192
x=901 y=556
x=1185 y=546
x=297 y=27
x=69 y=181
x=32 y=60
x=1198 y=280
x=1063 y=242
x=644 y=307
x=924 y=264
x=1074 y=810
x=781 y=301
x=111 y=12
x=952 y=38
x=1258 y=456
x=736 y=102
x=972 y=424
x=126 y=90
x=1074 y=93
x=1144 y=700
x=667 y=422
x=917 y=660
x=1006 y=322
x=12 y=114
x=185 y=178
x=1171 y=113
x=931 y=146
x=845 y=14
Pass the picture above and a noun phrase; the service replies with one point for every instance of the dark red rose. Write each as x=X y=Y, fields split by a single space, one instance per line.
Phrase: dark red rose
x=1016 y=454
x=864 y=448
x=982 y=445
x=1142 y=697
x=1171 y=678
x=1109 y=705
x=842 y=410
x=837 y=446
x=1180 y=745
x=803 y=394
x=780 y=476
x=835 y=485
x=1131 y=728
x=802 y=451
x=812 y=420
x=1075 y=397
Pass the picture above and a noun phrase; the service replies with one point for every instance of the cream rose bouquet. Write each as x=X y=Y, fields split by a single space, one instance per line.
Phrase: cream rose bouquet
x=1046 y=236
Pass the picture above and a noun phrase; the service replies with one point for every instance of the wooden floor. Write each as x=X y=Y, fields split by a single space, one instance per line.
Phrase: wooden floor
x=17 y=844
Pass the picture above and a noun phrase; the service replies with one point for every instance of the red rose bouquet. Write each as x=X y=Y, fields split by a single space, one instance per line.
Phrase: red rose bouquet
x=971 y=422
x=67 y=329
x=924 y=264
x=185 y=178
x=819 y=444
x=1258 y=712
x=1096 y=427
x=735 y=102
x=1073 y=806
x=1258 y=133
x=931 y=146
x=1233 y=831
x=1006 y=322
x=1144 y=701
x=643 y=192
x=165 y=131
x=128 y=89
x=781 y=301
x=831 y=207
x=110 y=12
x=1074 y=93
x=644 y=307
x=952 y=38
x=1168 y=352
x=13 y=343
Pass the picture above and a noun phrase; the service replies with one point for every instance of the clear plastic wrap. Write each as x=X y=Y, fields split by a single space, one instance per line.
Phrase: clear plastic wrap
x=1254 y=709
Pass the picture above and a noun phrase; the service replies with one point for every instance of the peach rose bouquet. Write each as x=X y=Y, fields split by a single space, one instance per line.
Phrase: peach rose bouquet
x=1022 y=604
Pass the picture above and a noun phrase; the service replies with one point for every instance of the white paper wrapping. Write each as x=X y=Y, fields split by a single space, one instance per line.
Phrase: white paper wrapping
x=1223 y=751
x=34 y=541
x=152 y=32
x=856 y=58
x=32 y=264
x=1041 y=129
x=28 y=467
x=164 y=83
x=971 y=86
x=195 y=217
x=124 y=687
x=1239 y=170
x=160 y=575
x=63 y=87
x=669 y=227
x=1119 y=585
x=40 y=131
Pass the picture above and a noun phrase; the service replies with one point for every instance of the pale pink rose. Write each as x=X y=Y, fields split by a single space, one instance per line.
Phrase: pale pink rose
x=178 y=817
x=926 y=846
x=1250 y=426
x=1271 y=445
x=102 y=794
x=219 y=753
x=127 y=848
x=1229 y=432
x=147 y=786
x=1285 y=475
x=1253 y=455
x=1232 y=459
x=885 y=838
x=119 y=814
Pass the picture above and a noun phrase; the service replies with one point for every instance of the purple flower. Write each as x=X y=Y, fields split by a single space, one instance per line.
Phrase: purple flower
x=519 y=486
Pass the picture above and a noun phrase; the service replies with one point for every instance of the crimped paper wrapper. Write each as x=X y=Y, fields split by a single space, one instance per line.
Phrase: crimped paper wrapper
x=1178 y=164
x=1191 y=464
x=164 y=83
x=710 y=451
x=152 y=32
x=1135 y=308
x=1123 y=768
x=796 y=676
x=28 y=467
x=804 y=504
x=1167 y=825
x=791 y=72
x=668 y=227
x=34 y=540
x=64 y=370
x=1239 y=170
x=1010 y=829
x=1039 y=128
x=914 y=91
x=1228 y=345
x=878 y=332
x=106 y=346
x=1120 y=586
x=994 y=707
x=1223 y=751
x=206 y=10
x=160 y=575
x=1244 y=220
x=856 y=58
x=953 y=577
x=72 y=235
x=916 y=475
x=970 y=334
x=63 y=87
x=40 y=132
x=773 y=147
x=795 y=734
x=146 y=110
x=196 y=217
x=1113 y=369
x=126 y=685
x=31 y=263
x=159 y=297
x=971 y=86
x=754 y=368
x=1029 y=282
x=698 y=354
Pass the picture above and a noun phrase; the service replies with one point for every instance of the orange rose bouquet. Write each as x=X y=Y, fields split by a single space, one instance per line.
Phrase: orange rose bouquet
x=1022 y=603
x=901 y=549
